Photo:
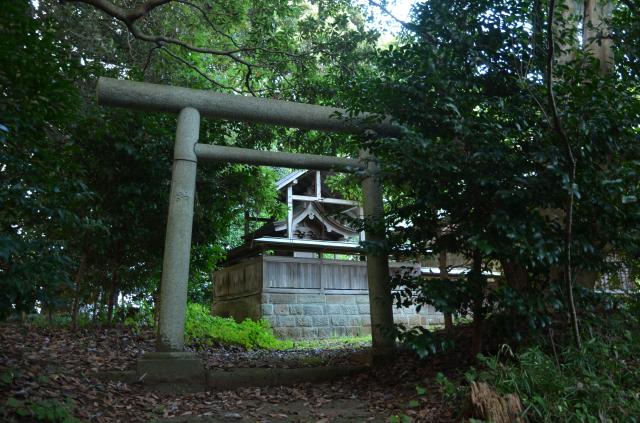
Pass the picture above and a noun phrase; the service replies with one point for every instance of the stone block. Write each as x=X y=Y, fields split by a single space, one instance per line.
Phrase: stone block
x=313 y=309
x=365 y=319
x=348 y=331
x=320 y=320
x=364 y=308
x=436 y=319
x=311 y=298
x=362 y=299
x=349 y=309
x=281 y=309
x=271 y=319
x=341 y=299
x=355 y=331
x=354 y=321
x=332 y=309
x=414 y=320
x=288 y=332
x=267 y=309
x=295 y=309
x=338 y=320
x=170 y=367
x=400 y=319
x=365 y=330
x=309 y=332
x=326 y=332
x=304 y=321
x=286 y=321
x=282 y=298
x=295 y=333
x=409 y=310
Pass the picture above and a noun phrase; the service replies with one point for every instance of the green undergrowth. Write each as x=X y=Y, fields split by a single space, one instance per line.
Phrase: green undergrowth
x=201 y=328
x=333 y=343
x=598 y=383
x=52 y=411
x=204 y=329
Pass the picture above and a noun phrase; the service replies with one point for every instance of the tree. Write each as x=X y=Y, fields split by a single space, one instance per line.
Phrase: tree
x=91 y=214
x=483 y=162
x=41 y=187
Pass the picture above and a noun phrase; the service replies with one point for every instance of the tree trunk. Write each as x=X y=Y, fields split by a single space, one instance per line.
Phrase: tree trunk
x=516 y=275
x=76 y=296
x=113 y=295
x=478 y=303
x=565 y=31
x=96 y=306
x=444 y=274
x=596 y=38
x=157 y=298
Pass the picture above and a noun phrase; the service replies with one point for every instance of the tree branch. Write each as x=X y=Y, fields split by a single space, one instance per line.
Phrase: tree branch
x=148 y=61
x=129 y=17
x=406 y=25
x=561 y=133
x=206 y=18
x=195 y=68
x=383 y=9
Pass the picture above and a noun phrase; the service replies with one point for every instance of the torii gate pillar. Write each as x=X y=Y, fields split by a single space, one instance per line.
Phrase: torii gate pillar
x=380 y=301
x=170 y=362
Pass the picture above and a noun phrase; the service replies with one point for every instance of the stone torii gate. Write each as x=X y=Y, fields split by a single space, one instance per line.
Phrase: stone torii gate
x=170 y=362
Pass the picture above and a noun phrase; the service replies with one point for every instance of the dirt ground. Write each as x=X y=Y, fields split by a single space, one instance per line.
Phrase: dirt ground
x=39 y=364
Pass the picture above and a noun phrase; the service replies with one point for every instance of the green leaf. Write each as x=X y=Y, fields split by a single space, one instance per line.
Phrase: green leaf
x=6 y=378
x=14 y=403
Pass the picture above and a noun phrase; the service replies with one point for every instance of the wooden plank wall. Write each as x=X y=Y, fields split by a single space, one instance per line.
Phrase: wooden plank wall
x=292 y=273
x=239 y=280
x=308 y=273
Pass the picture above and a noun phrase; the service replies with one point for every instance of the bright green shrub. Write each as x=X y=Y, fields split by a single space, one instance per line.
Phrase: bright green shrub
x=203 y=328
x=142 y=319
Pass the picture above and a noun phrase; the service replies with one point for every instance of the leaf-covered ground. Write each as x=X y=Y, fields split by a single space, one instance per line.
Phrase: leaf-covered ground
x=43 y=364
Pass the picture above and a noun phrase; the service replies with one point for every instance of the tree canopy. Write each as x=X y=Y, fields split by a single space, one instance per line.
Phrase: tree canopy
x=520 y=149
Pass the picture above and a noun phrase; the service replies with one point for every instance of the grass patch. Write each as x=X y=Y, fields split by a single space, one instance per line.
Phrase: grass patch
x=204 y=329
x=332 y=343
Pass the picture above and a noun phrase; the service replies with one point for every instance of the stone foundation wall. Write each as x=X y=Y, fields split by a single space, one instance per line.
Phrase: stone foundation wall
x=328 y=315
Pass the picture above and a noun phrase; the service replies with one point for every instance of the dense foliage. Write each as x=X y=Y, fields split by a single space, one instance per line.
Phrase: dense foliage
x=84 y=188
x=483 y=170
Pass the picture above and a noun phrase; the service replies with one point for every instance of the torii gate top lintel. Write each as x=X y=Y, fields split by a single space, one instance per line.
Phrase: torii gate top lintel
x=169 y=99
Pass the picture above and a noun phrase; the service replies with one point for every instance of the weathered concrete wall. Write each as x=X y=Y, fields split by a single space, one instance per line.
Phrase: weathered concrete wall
x=298 y=316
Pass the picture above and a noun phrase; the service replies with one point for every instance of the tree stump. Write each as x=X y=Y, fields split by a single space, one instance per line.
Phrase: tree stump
x=488 y=405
